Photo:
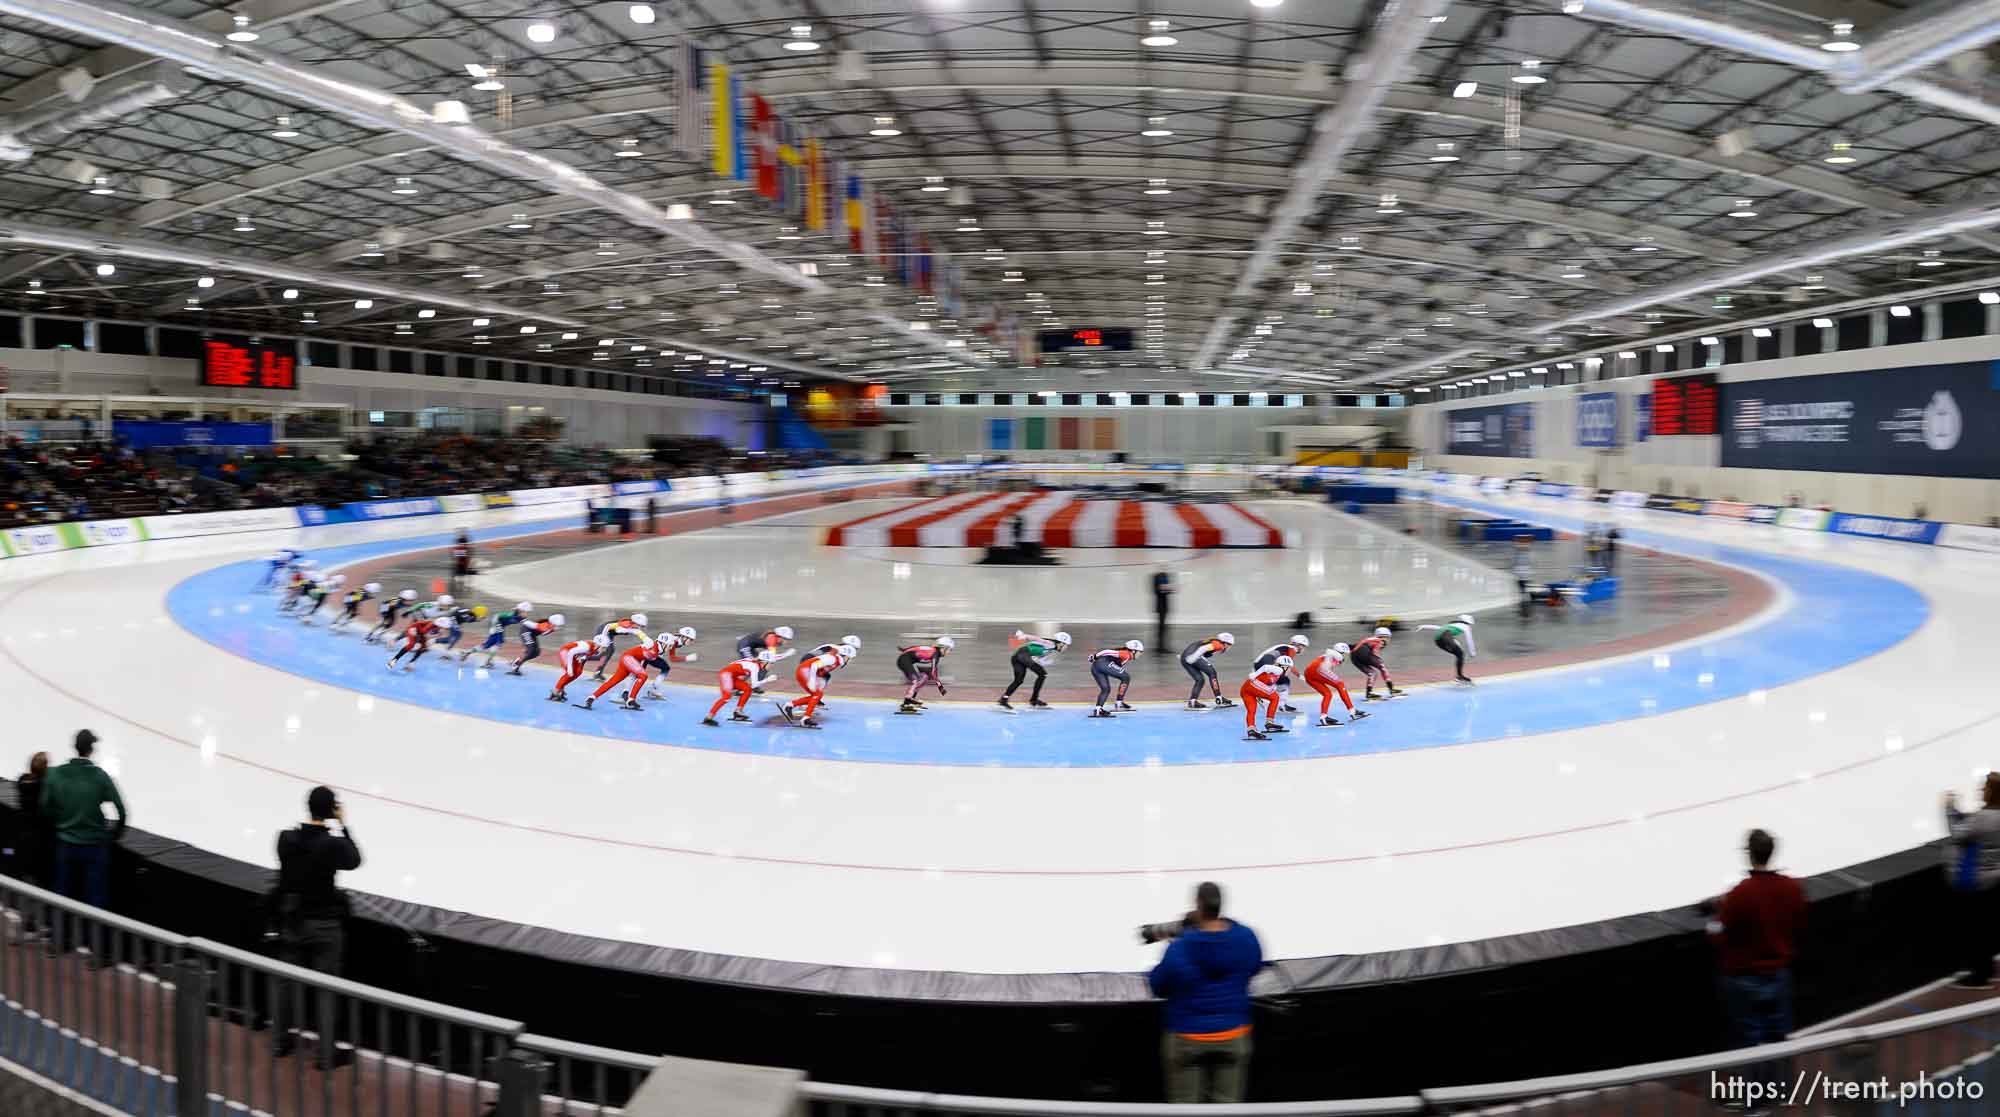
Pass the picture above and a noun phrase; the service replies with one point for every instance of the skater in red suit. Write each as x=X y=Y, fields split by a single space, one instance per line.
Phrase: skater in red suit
x=812 y=677
x=1262 y=688
x=416 y=641
x=654 y=655
x=739 y=681
x=1320 y=676
x=571 y=658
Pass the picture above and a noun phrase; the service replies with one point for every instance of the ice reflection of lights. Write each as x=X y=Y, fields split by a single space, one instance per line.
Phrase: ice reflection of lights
x=900 y=571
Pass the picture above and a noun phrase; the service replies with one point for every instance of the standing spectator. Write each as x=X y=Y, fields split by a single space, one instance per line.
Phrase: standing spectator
x=34 y=838
x=461 y=562
x=1204 y=977
x=1756 y=930
x=311 y=910
x=1163 y=593
x=652 y=517
x=73 y=798
x=1972 y=862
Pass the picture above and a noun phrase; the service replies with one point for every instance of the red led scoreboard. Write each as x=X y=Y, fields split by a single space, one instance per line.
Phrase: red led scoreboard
x=224 y=365
x=1685 y=405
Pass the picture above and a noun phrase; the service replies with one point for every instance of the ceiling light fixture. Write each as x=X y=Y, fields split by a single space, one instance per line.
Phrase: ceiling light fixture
x=1899 y=311
x=1528 y=74
x=284 y=130
x=289 y=293
x=205 y=281
x=106 y=269
x=1989 y=297
x=404 y=185
x=1818 y=323
x=1156 y=128
x=628 y=148
x=1842 y=40
x=934 y=184
x=241 y=33
x=1761 y=331
x=1465 y=89
x=640 y=13
x=101 y=185
x=363 y=304
x=885 y=126
x=541 y=31
x=1444 y=155
x=1158 y=36
x=1840 y=156
x=801 y=39
x=243 y=224
x=520 y=221
x=1157 y=187
x=1742 y=209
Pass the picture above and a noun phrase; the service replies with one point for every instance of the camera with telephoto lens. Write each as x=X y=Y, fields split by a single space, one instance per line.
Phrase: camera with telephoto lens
x=1150 y=933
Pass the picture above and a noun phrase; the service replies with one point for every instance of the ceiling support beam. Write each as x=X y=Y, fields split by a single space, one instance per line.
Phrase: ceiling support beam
x=1393 y=40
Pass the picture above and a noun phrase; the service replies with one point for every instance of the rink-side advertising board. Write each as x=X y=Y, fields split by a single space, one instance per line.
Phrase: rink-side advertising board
x=1884 y=527
x=1970 y=537
x=394 y=509
x=220 y=523
x=1924 y=420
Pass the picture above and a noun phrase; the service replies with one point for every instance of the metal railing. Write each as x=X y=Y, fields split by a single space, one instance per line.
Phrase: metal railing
x=158 y=1025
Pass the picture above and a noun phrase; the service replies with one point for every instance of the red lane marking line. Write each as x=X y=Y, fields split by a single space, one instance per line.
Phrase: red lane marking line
x=1056 y=529
x=837 y=534
x=1129 y=530
x=903 y=533
x=1204 y=534
x=983 y=530
x=1272 y=536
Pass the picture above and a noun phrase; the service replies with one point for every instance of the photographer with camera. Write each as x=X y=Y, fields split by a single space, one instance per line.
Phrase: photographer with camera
x=1204 y=977
x=310 y=911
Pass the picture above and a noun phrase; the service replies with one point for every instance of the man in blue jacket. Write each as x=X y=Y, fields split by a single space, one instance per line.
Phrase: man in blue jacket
x=1205 y=979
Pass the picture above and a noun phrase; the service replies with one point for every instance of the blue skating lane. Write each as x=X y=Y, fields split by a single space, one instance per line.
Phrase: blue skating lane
x=1834 y=615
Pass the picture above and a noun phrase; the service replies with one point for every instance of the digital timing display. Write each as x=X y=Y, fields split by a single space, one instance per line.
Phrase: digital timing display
x=1685 y=405
x=1087 y=337
x=237 y=366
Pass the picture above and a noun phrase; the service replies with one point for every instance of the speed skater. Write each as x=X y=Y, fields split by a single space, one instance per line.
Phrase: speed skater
x=1321 y=677
x=1034 y=655
x=1368 y=656
x=1108 y=665
x=739 y=681
x=655 y=655
x=531 y=639
x=812 y=677
x=605 y=644
x=919 y=665
x=1455 y=639
x=416 y=641
x=1197 y=660
x=350 y=605
x=1262 y=687
x=387 y=613
x=1294 y=647
x=496 y=632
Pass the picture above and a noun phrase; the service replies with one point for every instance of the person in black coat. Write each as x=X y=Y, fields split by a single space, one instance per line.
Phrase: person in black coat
x=34 y=835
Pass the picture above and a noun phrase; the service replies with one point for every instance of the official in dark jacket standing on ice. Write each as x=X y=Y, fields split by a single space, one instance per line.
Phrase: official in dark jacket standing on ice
x=1205 y=979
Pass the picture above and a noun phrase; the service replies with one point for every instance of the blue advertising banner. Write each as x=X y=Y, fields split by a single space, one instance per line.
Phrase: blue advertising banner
x=1642 y=417
x=312 y=515
x=143 y=435
x=1913 y=421
x=1000 y=434
x=1884 y=527
x=1503 y=431
x=393 y=509
x=1597 y=419
x=637 y=488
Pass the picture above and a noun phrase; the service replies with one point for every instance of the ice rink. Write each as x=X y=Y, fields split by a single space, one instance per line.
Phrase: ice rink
x=1833 y=717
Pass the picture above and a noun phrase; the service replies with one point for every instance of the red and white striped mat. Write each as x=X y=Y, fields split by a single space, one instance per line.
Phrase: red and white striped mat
x=1056 y=520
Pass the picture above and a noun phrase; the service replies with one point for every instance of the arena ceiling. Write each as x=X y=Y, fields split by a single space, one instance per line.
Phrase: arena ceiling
x=1347 y=193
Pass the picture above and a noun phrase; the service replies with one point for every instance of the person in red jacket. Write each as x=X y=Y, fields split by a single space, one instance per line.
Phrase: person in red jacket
x=416 y=641
x=658 y=654
x=1321 y=677
x=571 y=658
x=1755 y=929
x=1262 y=687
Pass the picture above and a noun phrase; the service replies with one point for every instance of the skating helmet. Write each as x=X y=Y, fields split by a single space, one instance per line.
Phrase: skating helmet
x=850 y=639
x=1285 y=662
x=1134 y=646
x=557 y=620
x=337 y=580
x=767 y=656
x=686 y=632
x=783 y=631
x=408 y=595
x=1465 y=618
x=1297 y=641
x=373 y=587
x=639 y=619
x=850 y=648
x=947 y=643
x=524 y=607
x=1341 y=649
x=446 y=600
x=1061 y=638
x=1381 y=632
x=1226 y=637
x=308 y=564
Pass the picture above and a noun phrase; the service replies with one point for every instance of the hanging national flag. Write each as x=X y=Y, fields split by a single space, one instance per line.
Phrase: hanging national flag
x=815 y=186
x=869 y=221
x=741 y=171
x=923 y=268
x=765 y=152
x=688 y=108
x=860 y=216
x=722 y=120
x=791 y=172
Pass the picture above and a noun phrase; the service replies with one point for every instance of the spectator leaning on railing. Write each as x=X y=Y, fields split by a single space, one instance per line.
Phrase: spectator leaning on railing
x=1972 y=869
x=1204 y=977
